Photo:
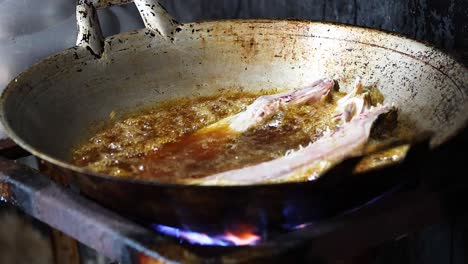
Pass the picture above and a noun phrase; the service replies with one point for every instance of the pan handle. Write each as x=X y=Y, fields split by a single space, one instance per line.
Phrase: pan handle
x=90 y=35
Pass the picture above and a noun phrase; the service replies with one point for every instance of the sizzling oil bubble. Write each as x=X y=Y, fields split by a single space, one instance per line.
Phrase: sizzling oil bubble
x=164 y=143
x=132 y=144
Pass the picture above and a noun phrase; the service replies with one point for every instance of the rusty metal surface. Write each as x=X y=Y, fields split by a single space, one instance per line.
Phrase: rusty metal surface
x=110 y=234
x=90 y=224
x=401 y=212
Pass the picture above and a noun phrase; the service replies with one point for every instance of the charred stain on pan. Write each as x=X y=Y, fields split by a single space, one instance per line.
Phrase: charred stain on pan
x=415 y=57
x=151 y=33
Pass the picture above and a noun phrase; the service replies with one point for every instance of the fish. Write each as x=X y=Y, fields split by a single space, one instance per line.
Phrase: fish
x=207 y=142
x=356 y=117
x=267 y=105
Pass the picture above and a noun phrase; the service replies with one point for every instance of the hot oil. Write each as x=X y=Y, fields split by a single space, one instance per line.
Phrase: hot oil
x=390 y=155
x=167 y=143
x=123 y=148
x=220 y=148
x=120 y=148
x=287 y=130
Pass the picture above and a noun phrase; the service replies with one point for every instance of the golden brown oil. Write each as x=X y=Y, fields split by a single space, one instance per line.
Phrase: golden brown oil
x=119 y=149
x=159 y=143
x=123 y=148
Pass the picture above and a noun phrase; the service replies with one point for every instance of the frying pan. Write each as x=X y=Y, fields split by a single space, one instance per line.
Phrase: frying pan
x=61 y=100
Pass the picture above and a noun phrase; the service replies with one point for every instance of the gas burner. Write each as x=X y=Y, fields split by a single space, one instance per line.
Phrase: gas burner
x=229 y=238
x=246 y=236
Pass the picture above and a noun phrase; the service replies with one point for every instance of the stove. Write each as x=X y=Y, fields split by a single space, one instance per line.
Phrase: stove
x=390 y=216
